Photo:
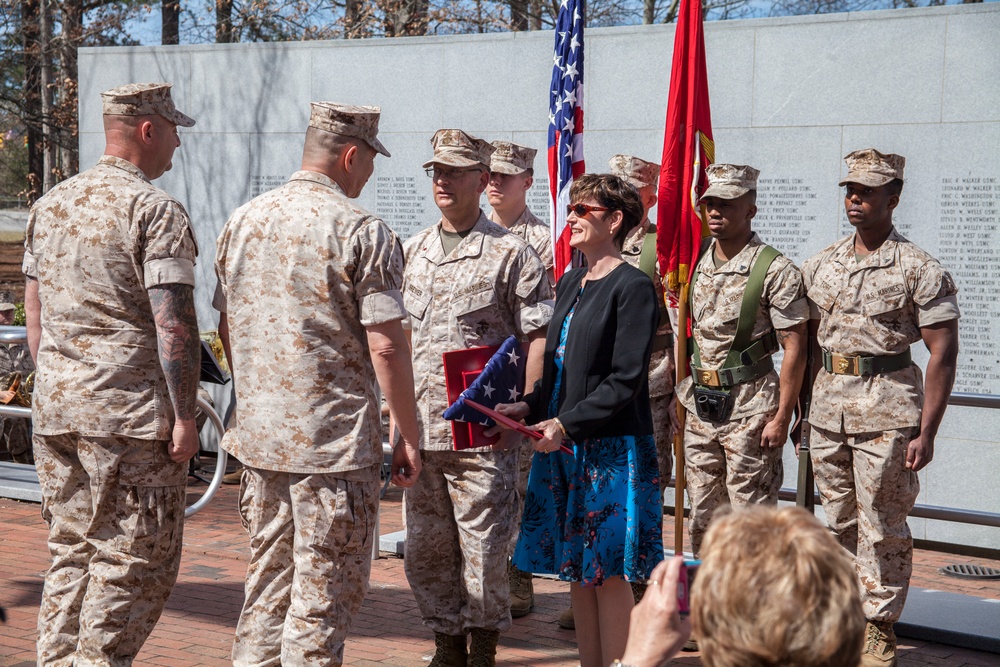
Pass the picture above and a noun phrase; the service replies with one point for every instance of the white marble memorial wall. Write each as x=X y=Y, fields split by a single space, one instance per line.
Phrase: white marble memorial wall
x=790 y=96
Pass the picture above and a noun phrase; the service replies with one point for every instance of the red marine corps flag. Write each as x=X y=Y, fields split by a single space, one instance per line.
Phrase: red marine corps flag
x=687 y=149
x=565 y=124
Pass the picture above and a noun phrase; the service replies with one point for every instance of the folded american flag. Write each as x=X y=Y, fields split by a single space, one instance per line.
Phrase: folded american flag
x=501 y=381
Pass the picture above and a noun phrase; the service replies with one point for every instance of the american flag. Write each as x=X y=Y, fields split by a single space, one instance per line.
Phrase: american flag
x=500 y=381
x=565 y=124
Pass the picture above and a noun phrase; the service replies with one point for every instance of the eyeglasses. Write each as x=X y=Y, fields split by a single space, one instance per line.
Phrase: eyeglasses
x=434 y=173
x=583 y=209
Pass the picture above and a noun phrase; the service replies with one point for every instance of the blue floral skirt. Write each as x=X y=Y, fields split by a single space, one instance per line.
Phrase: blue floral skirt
x=594 y=515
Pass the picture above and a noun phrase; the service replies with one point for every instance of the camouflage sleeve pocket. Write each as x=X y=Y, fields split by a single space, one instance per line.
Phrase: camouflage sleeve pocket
x=823 y=298
x=415 y=300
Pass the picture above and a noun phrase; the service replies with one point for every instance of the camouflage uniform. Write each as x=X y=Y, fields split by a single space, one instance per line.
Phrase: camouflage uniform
x=861 y=425
x=302 y=271
x=536 y=233
x=113 y=499
x=460 y=514
x=726 y=463
x=14 y=357
x=642 y=173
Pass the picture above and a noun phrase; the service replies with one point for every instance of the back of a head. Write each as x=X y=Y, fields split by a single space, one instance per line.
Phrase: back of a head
x=775 y=588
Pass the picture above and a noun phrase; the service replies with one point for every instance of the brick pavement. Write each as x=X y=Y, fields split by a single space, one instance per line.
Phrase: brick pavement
x=198 y=623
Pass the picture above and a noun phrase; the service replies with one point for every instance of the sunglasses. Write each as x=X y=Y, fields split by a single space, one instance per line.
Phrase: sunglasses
x=583 y=209
x=435 y=173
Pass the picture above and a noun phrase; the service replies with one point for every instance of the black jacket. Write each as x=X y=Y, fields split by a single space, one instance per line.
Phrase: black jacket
x=605 y=384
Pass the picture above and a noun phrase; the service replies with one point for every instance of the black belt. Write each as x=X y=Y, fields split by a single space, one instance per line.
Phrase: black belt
x=662 y=342
x=841 y=365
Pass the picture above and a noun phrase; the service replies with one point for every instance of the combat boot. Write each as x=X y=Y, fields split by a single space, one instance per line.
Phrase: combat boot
x=449 y=651
x=483 y=651
x=880 y=645
x=522 y=593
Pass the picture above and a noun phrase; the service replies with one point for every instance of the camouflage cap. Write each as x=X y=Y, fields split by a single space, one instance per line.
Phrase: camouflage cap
x=871 y=168
x=456 y=148
x=143 y=99
x=510 y=158
x=730 y=181
x=349 y=121
x=7 y=300
x=635 y=171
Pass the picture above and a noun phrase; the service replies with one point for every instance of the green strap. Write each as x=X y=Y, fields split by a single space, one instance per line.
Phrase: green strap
x=647 y=257
x=647 y=264
x=748 y=309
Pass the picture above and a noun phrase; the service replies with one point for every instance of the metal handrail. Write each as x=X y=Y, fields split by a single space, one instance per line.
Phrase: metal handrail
x=10 y=334
x=220 y=462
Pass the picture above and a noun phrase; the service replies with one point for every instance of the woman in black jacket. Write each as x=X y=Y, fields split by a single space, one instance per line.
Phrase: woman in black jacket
x=595 y=517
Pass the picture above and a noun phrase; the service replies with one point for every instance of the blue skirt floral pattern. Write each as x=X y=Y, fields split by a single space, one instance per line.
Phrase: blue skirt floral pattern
x=596 y=514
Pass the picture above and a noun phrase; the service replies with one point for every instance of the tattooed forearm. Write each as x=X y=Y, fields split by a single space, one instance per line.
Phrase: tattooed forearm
x=180 y=347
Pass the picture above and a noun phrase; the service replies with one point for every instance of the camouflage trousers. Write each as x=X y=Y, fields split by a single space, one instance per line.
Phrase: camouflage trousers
x=115 y=510
x=663 y=433
x=310 y=558
x=460 y=516
x=725 y=465
x=867 y=493
x=525 y=453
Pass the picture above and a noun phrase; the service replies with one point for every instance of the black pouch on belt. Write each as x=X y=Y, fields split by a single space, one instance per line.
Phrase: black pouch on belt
x=713 y=405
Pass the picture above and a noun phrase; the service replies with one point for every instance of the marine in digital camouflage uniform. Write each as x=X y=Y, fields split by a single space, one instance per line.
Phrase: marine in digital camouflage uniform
x=512 y=171
x=14 y=358
x=872 y=295
x=643 y=176
x=511 y=175
x=109 y=260
x=738 y=461
x=309 y=292
x=468 y=283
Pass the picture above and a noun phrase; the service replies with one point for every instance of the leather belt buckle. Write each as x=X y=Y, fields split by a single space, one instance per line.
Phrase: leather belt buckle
x=707 y=377
x=844 y=365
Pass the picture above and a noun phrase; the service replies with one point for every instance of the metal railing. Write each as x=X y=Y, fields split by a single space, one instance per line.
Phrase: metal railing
x=19 y=335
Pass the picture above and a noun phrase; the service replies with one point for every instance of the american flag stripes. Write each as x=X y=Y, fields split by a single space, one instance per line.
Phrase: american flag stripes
x=565 y=124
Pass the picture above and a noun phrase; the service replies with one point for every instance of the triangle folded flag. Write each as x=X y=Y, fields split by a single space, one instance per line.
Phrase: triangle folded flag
x=501 y=381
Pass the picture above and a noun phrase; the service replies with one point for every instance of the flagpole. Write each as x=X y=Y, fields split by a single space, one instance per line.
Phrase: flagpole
x=681 y=372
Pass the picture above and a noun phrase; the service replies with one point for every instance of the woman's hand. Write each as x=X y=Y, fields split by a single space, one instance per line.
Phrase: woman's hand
x=552 y=436
x=657 y=631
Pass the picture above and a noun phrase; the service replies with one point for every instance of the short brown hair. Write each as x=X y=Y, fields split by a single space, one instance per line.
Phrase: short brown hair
x=613 y=193
x=775 y=588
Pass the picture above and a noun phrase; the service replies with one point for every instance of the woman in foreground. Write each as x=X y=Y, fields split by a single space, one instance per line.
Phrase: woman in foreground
x=594 y=517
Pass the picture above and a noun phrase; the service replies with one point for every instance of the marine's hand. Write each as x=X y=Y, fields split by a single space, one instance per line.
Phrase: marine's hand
x=184 y=441
x=405 y=463
x=775 y=433
x=656 y=630
x=516 y=411
x=919 y=452
x=509 y=439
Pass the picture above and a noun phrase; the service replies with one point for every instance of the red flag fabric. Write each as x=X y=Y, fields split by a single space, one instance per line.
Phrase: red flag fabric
x=688 y=148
